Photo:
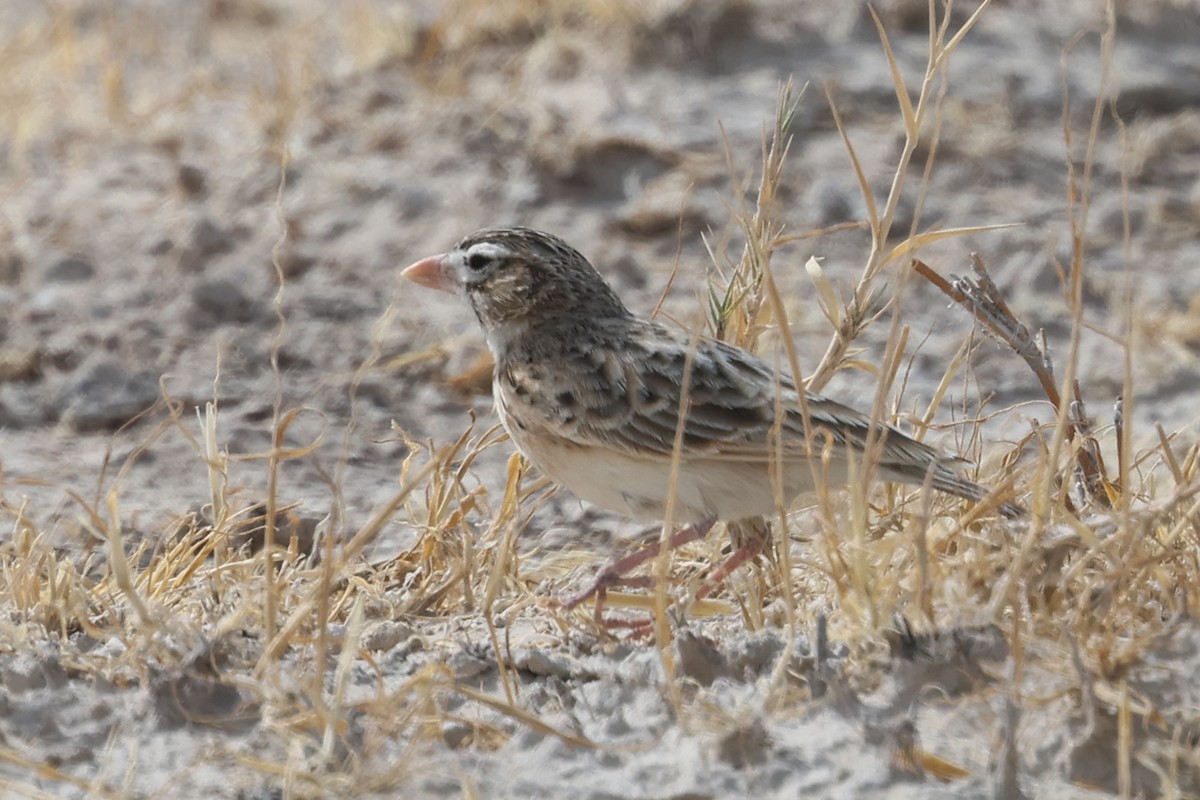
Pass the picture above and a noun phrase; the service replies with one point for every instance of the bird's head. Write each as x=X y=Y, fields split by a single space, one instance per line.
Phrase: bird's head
x=519 y=276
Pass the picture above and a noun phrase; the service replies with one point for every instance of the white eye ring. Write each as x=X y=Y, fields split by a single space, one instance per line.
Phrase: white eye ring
x=479 y=256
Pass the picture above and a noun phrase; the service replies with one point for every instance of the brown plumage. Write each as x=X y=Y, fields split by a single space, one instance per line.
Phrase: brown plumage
x=592 y=394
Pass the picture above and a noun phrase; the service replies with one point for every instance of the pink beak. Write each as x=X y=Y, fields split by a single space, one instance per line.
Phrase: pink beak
x=432 y=272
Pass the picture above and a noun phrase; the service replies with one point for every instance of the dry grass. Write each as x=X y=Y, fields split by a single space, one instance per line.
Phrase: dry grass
x=1090 y=586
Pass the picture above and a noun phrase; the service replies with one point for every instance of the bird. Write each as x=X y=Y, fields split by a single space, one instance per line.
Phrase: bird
x=599 y=398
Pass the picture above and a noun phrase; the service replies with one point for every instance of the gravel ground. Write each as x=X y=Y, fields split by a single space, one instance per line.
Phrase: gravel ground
x=164 y=163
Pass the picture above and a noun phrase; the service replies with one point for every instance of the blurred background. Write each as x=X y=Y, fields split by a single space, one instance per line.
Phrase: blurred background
x=164 y=164
x=210 y=201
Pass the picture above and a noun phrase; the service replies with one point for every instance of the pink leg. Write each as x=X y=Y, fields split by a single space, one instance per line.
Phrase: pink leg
x=723 y=570
x=638 y=626
x=752 y=544
x=614 y=573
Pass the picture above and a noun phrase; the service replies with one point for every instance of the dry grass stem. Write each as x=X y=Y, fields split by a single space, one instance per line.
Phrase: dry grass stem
x=411 y=633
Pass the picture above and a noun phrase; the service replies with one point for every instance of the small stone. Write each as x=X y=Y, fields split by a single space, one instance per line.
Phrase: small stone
x=192 y=180
x=218 y=301
x=19 y=363
x=107 y=397
x=180 y=699
x=209 y=238
x=541 y=662
x=23 y=674
x=46 y=301
x=755 y=653
x=414 y=202
x=110 y=649
x=23 y=405
x=161 y=246
x=295 y=261
x=832 y=203
x=465 y=666
x=457 y=734
x=745 y=746
x=71 y=269
x=700 y=659
x=386 y=635
x=12 y=266
x=378 y=608
x=206 y=241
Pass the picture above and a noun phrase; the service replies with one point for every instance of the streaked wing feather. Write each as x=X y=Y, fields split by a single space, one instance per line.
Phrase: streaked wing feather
x=732 y=400
x=627 y=397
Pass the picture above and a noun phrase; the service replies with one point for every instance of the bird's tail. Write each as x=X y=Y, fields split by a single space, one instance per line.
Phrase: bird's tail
x=943 y=474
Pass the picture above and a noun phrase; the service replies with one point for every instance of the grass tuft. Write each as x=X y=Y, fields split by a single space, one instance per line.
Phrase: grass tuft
x=248 y=613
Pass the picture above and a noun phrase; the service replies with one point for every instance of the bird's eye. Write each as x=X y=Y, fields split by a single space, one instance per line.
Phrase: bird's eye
x=477 y=262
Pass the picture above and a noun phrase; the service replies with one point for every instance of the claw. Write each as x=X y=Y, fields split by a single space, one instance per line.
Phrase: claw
x=614 y=574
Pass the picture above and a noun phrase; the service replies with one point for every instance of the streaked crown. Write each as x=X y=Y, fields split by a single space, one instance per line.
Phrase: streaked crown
x=515 y=273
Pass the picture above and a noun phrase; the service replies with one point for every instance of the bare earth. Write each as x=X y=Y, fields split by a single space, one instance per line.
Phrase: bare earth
x=165 y=163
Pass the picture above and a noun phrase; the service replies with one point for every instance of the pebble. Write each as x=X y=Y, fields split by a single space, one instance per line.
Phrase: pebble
x=545 y=663
x=464 y=665
x=12 y=265
x=23 y=405
x=219 y=302
x=208 y=238
x=192 y=180
x=27 y=672
x=386 y=635
x=107 y=396
x=206 y=241
x=745 y=746
x=70 y=269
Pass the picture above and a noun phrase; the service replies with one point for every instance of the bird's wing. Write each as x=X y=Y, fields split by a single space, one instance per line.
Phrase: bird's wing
x=627 y=396
x=630 y=397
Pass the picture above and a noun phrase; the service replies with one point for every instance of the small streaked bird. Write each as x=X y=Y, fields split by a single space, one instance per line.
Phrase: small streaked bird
x=592 y=395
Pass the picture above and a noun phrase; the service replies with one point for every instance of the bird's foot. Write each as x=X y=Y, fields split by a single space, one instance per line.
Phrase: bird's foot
x=746 y=552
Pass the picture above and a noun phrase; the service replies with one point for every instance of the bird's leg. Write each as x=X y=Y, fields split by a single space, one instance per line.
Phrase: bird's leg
x=614 y=573
x=753 y=536
x=636 y=625
x=723 y=570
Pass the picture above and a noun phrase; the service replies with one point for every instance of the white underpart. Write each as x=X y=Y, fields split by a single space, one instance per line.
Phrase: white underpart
x=706 y=488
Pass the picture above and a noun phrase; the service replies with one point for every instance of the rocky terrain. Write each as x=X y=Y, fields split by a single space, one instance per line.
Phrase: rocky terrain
x=211 y=201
